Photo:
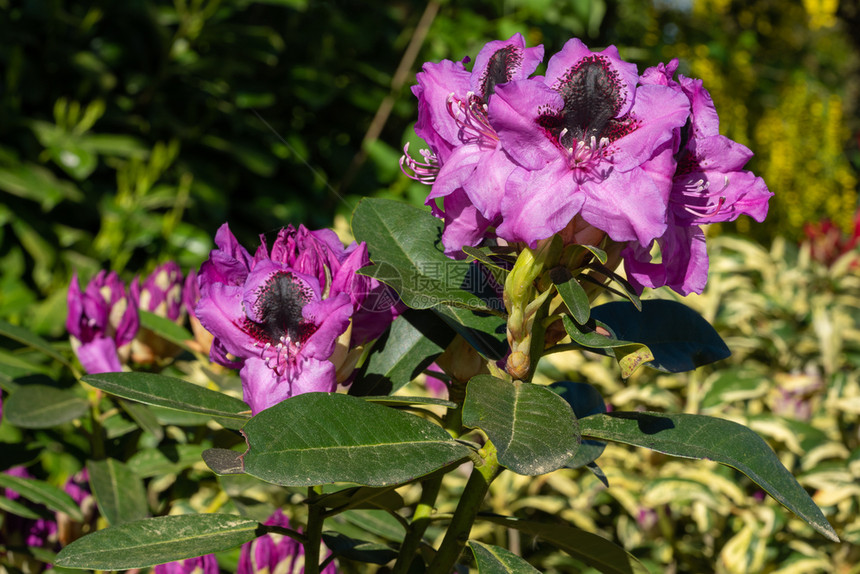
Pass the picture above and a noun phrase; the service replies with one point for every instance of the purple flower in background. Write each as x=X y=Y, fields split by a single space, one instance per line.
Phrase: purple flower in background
x=161 y=294
x=466 y=164
x=102 y=321
x=709 y=185
x=285 y=316
x=275 y=553
x=161 y=291
x=588 y=141
x=199 y=565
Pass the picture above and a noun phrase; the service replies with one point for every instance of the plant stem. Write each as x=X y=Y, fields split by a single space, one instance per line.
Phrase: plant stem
x=314 y=538
x=420 y=522
x=467 y=510
x=430 y=487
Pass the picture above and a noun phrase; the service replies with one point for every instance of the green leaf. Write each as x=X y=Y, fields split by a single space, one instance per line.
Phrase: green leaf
x=22 y=510
x=702 y=437
x=361 y=497
x=575 y=297
x=403 y=242
x=158 y=540
x=118 y=491
x=144 y=417
x=43 y=493
x=172 y=393
x=497 y=560
x=41 y=406
x=679 y=338
x=361 y=550
x=224 y=461
x=378 y=522
x=414 y=340
x=346 y=439
x=597 y=552
x=30 y=339
x=630 y=355
x=486 y=333
x=167 y=459
x=534 y=429
x=166 y=329
x=401 y=401
x=585 y=400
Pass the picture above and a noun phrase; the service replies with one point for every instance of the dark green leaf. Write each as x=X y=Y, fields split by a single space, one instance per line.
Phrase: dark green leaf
x=575 y=297
x=629 y=355
x=157 y=541
x=404 y=244
x=397 y=400
x=702 y=437
x=15 y=507
x=486 y=333
x=597 y=552
x=144 y=417
x=346 y=439
x=167 y=459
x=41 y=406
x=362 y=497
x=534 y=430
x=497 y=560
x=166 y=329
x=361 y=550
x=378 y=522
x=174 y=394
x=585 y=400
x=414 y=340
x=30 y=339
x=42 y=493
x=118 y=491
x=223 y=461
x=679 y=338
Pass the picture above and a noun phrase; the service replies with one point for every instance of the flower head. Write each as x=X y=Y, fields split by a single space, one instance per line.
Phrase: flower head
x=708 y=185
x=285 y=316
x=275 y=553
x=587 y=141
x=102 y=321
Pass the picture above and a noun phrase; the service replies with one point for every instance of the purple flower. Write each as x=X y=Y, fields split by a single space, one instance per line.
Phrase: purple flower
x=199 y=565
x=708 y=185
x=275 y=553
x=466 y=164
x=160 y=292
x=102 y=321
x=291 y=317
x=587 y=141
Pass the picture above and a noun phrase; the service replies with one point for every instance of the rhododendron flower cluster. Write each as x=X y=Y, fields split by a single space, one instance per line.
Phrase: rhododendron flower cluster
x=291 y=317
x=518 y=158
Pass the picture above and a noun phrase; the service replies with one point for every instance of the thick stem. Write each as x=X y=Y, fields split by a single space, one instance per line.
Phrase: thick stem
x=314 y=538
x=467 y=510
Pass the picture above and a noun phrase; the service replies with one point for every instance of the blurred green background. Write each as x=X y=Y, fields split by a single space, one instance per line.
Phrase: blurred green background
x=129 y=131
